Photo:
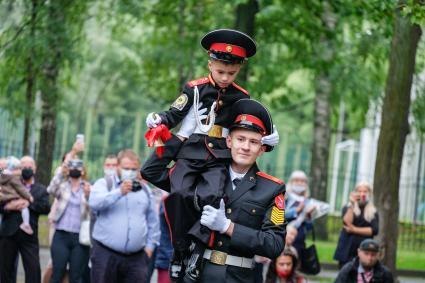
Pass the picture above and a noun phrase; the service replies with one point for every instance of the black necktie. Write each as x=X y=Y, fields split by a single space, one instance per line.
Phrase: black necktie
x=236 y=181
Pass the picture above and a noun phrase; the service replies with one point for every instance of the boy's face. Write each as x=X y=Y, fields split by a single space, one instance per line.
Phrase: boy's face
x=223 y=74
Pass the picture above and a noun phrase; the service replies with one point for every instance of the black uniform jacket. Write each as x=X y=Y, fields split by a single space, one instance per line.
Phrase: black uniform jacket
x=349 y=272
x=12 y=219
x=250 y=206
x=200 y=146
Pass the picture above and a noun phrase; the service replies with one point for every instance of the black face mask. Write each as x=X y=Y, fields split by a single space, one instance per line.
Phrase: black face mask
x=27 y=173
x=75 y=173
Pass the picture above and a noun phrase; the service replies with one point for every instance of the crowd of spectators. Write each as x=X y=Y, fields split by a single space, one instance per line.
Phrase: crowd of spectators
x=129 y=236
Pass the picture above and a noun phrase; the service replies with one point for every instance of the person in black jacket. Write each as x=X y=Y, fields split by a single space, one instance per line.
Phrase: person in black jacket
x=250 y=219
x=366 y=266
x=361 y=221
x=12 y=239
x=201 y=161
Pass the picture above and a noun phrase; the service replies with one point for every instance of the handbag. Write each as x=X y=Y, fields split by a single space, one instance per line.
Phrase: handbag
x=310 y=263
x=84 y=236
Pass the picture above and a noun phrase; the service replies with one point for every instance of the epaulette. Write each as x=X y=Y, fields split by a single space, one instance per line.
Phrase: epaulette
x=240 y=88
x=270 y=177
x=200 y=81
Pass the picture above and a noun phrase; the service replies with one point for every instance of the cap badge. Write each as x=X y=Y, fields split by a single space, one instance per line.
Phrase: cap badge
x=229 y=48
x=243 y=118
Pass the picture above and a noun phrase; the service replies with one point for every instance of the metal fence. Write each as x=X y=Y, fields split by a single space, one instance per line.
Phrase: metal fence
x=411 y=236
x=109 y=135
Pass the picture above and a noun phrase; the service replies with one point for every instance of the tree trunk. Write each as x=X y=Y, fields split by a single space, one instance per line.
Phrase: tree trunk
x=245 y=22
x=320 y=147
x=49 y=90
x=322 y=115
x=30 y=78
x=394 y=128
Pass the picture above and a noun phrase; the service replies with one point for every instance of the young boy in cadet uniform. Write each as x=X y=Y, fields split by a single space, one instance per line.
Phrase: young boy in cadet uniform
x=200 y=164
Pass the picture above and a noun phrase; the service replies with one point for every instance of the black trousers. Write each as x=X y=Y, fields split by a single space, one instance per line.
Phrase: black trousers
x=111 y=267
x=214 y=273
x=194 y=183
x=27 y=246
x=65 y=249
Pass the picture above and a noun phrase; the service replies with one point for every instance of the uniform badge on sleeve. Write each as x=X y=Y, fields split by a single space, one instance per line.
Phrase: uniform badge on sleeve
x=180 y=102
x=278 y=211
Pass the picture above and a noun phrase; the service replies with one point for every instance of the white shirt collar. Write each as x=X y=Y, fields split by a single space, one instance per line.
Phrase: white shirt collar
x=235 y=175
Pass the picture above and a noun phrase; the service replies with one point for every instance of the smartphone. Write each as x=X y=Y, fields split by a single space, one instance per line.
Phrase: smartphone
x=80 y=138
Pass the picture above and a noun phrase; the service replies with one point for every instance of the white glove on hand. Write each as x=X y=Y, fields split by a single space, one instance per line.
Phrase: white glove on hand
x=188 y=125
x=272 y=139
x=153 y=120
x=215 y=219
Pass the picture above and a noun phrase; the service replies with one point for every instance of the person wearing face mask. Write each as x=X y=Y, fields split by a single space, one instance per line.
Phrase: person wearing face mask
x=12 y=189
x=127 y=230
x=283 y=268
x=20 y=207
x=360 y=222
x=110 y=165
x=365 y=267
x=71 y=191
x=299 y=208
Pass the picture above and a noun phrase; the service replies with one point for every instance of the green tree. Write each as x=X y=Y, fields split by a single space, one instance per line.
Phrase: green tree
x=394 y=129
x=62 y=23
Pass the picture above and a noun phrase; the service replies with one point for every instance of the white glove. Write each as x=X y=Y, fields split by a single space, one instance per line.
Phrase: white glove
x=215 y=219
x=272 y=139
x=153 y=120
x=188 y=125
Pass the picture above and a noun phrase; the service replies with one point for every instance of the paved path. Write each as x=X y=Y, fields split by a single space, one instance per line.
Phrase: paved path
x=324 y=276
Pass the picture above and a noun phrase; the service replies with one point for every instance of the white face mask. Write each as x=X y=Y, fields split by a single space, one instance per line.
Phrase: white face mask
x=298 y=188
x=128 y=174
x=296 y=197
x=109 y=172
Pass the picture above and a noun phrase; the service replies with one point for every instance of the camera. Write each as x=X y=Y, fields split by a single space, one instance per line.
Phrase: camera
x=136 y=186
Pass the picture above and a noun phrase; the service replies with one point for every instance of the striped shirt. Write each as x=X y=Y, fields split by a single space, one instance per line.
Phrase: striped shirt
x=70 y=220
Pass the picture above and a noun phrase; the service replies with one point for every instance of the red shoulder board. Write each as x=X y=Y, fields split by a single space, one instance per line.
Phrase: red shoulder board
x=200 y=81
x=280 y=201
x=270 y=177
x=240 y=88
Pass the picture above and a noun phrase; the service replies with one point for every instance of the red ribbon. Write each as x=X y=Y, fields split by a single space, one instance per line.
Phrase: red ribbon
x=160 y=132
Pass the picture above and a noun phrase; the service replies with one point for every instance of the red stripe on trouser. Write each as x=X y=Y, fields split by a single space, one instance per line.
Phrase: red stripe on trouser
x=212 y=237
x=166 y=219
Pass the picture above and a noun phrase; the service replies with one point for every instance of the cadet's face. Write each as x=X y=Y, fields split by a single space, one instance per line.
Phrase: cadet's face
x=223 y=74
x=367 y=258
x=245 y=146
x=284 y=263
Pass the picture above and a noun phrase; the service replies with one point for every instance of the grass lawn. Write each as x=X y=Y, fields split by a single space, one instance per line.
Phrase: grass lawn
x=406 y=259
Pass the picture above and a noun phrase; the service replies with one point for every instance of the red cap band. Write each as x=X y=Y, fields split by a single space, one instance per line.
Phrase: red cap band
x=252 y=119
x=229 y=48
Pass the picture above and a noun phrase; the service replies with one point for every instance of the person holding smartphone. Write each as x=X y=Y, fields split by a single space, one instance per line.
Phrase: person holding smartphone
x=360 y=222
x=71 y=190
